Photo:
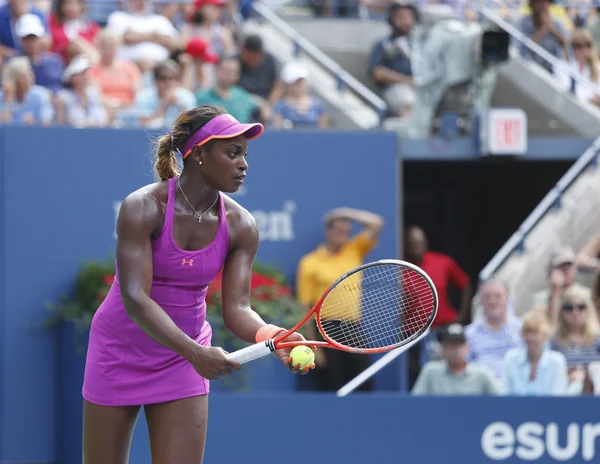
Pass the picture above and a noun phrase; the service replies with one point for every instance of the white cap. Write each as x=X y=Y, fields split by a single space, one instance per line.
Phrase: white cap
x=29 y=24
x=78 y=64
x=293 y=71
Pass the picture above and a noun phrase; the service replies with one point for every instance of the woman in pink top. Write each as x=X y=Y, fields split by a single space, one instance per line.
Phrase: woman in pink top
x=149 y=340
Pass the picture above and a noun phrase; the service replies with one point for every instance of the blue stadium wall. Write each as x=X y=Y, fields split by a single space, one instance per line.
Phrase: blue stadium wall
x=60 y=193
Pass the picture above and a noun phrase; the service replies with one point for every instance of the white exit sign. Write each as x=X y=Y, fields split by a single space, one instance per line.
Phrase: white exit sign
x=504 y=132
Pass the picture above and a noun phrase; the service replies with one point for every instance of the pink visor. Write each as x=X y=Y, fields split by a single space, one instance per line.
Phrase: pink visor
x=224 y=126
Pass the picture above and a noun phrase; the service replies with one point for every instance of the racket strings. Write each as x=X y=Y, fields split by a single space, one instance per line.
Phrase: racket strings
x=378 y=307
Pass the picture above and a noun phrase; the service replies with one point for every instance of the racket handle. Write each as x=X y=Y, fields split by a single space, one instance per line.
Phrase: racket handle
x=252 y=352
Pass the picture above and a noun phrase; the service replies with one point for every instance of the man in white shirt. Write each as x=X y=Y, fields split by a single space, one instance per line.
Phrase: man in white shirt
x=148 y=38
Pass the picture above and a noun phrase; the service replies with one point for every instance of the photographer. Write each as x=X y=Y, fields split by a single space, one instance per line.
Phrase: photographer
x=390 y=64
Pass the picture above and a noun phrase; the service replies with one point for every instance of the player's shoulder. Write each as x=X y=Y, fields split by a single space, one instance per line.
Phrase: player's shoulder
x=147 y=200
x=239 y=220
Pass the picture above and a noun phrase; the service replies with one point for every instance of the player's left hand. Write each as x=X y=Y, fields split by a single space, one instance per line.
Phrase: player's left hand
x=284 y=353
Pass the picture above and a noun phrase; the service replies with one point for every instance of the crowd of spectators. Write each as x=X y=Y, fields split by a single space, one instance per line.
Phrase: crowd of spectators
x=569 y=31
x=552 y=349
x=143 y=67
x=147 y=62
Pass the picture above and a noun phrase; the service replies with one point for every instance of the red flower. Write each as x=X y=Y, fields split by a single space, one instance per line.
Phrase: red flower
x=108 y=279
x=262 y=287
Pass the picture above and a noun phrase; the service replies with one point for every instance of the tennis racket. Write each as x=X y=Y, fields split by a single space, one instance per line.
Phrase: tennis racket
x=374 y=308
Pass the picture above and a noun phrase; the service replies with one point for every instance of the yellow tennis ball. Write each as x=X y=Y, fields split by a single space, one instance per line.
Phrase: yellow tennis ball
x=302 y=355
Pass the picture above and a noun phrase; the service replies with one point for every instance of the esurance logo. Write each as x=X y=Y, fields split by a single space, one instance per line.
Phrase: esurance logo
x=531 y=440
x=274 y=226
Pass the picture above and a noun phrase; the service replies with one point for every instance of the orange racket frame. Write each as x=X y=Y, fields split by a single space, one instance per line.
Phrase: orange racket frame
x=261 y=349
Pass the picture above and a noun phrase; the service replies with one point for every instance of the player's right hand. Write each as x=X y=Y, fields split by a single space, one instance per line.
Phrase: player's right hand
x=211 y=362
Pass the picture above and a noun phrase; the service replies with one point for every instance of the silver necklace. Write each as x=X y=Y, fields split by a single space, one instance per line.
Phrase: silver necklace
x=197 y=215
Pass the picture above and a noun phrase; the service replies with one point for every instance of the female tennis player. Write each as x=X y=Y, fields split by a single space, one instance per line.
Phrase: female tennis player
x=150 y=341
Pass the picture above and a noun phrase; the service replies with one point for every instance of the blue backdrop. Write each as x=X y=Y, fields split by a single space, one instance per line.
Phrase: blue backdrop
x=61 y=191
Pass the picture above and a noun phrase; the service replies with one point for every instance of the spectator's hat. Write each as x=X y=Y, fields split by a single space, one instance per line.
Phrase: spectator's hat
x=198 y=48
x=200 y=3
x=562 y=255
x=451 y=333
x=293 y=71
x=77 y=65
x=29 y=24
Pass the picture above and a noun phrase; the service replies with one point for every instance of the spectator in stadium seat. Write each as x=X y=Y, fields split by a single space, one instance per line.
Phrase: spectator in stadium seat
x=117 y=80
x=10 y=12
x=161 y=105
x=562 y=275
x=47 y=67
x=534 y=369
x=454 y=375
x=236 y=101
x=259 y=72
x=496 y=332
x=545 y=30
x=577 y=335
x=317 y=271
x=390 y=61
x=298 y=108
x=204 y=21
x=72 y=32
x=148 y=38
x=79 y=104
x=23 y=102
x=582 y=61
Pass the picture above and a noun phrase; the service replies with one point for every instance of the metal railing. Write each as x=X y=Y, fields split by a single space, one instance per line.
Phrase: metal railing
x=343 y=78
x=551 y=200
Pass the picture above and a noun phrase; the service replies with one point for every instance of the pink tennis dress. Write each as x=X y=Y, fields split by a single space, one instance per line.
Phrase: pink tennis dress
x=124 y=365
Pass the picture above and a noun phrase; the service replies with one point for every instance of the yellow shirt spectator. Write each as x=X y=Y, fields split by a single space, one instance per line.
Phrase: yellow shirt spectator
x=320 y=268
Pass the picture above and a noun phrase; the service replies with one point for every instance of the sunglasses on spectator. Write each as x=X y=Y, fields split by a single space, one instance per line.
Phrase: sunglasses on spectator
x=571 y=307
x=578 y=45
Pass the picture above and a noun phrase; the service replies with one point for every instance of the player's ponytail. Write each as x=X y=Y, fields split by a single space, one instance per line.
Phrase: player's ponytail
x=166 y=165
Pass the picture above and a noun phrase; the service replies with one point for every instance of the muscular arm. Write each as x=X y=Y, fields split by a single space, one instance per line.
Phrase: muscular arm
x=138 y=218
x=238 y=316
